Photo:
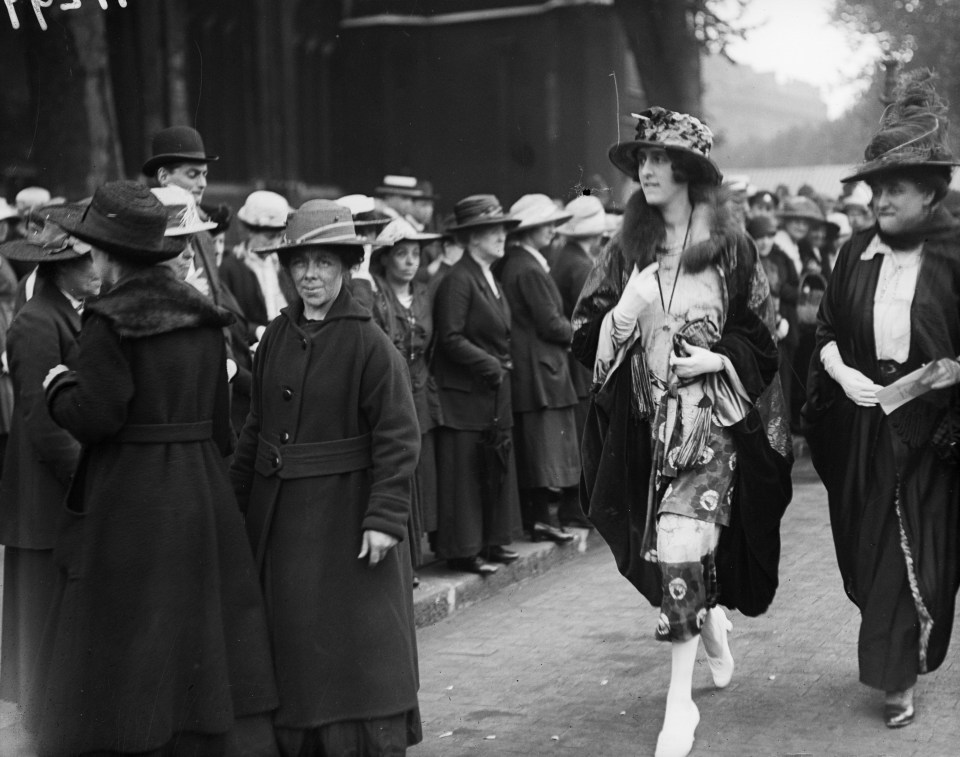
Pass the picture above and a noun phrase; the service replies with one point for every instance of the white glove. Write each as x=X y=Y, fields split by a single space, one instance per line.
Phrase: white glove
x=947 y=373
x=783 y=328
x=641 y=289
x=861 y=390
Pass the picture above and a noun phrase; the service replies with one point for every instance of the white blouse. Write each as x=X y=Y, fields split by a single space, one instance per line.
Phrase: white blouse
x=893 y=298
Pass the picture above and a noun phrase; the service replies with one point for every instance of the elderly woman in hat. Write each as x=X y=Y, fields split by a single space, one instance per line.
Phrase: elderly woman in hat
x=544 y=427
x=403 y=308
x=680 y=475
x=157 y=609
x=323 y=471
x=477 y=499
x=891 y=468
x=41 y=457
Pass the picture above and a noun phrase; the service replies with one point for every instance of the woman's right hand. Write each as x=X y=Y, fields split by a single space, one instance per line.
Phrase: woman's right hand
x=858 y=388
x=642 y=289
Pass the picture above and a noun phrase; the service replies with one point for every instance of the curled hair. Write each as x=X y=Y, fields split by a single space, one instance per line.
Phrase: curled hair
x=643 y=226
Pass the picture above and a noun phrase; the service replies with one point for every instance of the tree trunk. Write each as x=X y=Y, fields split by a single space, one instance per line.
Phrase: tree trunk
x=75 y=147
x=666 y=50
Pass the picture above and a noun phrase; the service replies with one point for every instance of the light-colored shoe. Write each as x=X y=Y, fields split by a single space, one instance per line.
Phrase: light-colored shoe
x=714 y=633
x=679 y=726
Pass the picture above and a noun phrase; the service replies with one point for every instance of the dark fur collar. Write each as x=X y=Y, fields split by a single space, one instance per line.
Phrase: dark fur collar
x=715 y=230
x=153 y=301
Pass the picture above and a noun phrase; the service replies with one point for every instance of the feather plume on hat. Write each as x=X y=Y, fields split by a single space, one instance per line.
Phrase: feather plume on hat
x=913 y=130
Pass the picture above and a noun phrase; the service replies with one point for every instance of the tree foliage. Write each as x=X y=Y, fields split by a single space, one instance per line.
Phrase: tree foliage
x=916 y=32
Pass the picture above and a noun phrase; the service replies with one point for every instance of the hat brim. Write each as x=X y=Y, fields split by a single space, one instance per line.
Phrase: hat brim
x=165 y=159
x=785 y=216
x=142 y=254
x=624 y=156
x=877 y=167
x=556 y=219
x=412 y=193
x=22 y=250
x=349 y=253
x=506 y=221
x=419 y=238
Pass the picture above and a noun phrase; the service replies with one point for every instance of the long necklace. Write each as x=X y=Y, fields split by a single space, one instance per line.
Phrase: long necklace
x=667 y=306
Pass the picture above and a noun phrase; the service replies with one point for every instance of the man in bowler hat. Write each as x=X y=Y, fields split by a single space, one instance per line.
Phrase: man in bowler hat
x=180 y=159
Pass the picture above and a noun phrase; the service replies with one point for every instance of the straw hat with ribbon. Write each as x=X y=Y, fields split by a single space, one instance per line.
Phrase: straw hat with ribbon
x=672 y=131
x=365 y=215
x=394 y=184
x=535 y=210
x=124 y=219
x=322 y=224
x=477 y=211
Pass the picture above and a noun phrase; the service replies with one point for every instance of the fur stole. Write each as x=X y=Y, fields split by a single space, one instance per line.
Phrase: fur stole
x=154 y=301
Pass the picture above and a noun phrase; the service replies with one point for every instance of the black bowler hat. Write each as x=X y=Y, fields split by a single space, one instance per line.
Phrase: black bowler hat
x=178 y=144
x=125 y=219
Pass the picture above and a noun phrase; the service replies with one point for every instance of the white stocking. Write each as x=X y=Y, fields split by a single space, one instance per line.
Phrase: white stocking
x=682 y=716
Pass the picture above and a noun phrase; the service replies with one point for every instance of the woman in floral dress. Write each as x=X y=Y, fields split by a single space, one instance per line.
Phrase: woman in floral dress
x=676 y=323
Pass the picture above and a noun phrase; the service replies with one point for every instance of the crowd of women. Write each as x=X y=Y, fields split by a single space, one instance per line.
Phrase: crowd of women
x=224 y=468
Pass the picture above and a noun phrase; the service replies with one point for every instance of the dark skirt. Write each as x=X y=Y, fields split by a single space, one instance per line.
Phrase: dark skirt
x=548 y=450
x=29 y=582
x=251 y=736
x=896 y=529
x=465 y=522
x=376 y=737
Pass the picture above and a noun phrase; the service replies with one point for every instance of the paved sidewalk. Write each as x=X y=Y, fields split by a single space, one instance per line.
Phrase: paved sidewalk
x=566 y=663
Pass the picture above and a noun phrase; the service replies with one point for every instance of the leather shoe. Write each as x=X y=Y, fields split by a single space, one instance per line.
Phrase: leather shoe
x=499 y=554
x=545 y=532
x=898 y=715
x=475 y=564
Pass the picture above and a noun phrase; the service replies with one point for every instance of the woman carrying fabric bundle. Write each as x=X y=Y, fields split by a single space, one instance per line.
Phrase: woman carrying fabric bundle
x=892 y=306
x=675 y=322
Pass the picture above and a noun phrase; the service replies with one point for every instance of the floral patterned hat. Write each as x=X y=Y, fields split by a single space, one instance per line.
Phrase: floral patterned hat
x=674 y=132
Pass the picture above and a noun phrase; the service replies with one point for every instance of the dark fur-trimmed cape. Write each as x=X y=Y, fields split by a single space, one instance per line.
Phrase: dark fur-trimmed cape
x=153 y=301
x=616 y=447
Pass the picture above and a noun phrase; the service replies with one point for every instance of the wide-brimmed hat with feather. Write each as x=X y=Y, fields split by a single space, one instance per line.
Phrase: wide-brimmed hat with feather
x=912 y=134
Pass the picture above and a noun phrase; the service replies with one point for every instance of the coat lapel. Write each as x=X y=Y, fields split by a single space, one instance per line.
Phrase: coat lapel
x=497 y=304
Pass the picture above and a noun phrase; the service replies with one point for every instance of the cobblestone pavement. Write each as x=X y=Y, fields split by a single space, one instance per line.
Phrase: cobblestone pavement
x=566 y=664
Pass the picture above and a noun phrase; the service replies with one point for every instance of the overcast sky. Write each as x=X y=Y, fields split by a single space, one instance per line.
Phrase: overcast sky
x=796 y=39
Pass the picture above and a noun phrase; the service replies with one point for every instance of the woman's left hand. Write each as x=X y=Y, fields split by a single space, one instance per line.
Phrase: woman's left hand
x=376 y=544
x=947 y=373
x=697 y=362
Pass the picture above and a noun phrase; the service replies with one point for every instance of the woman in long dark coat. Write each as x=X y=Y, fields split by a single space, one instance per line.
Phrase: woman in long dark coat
x=323 y=472
x=403 y=308
x=41 y=457
x=157 y=642
x=478 y=504
x=679 y=474
x=544 y=425
x=892 y=306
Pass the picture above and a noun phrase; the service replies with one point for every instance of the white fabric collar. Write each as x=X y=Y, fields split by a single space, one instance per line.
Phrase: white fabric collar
x=537 y=256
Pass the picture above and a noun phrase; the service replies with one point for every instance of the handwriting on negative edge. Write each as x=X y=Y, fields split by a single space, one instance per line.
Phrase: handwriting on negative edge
x=39 y=5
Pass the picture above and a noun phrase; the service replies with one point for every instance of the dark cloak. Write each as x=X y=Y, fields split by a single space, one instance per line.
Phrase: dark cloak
x=893 y=481
x=616 y=449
